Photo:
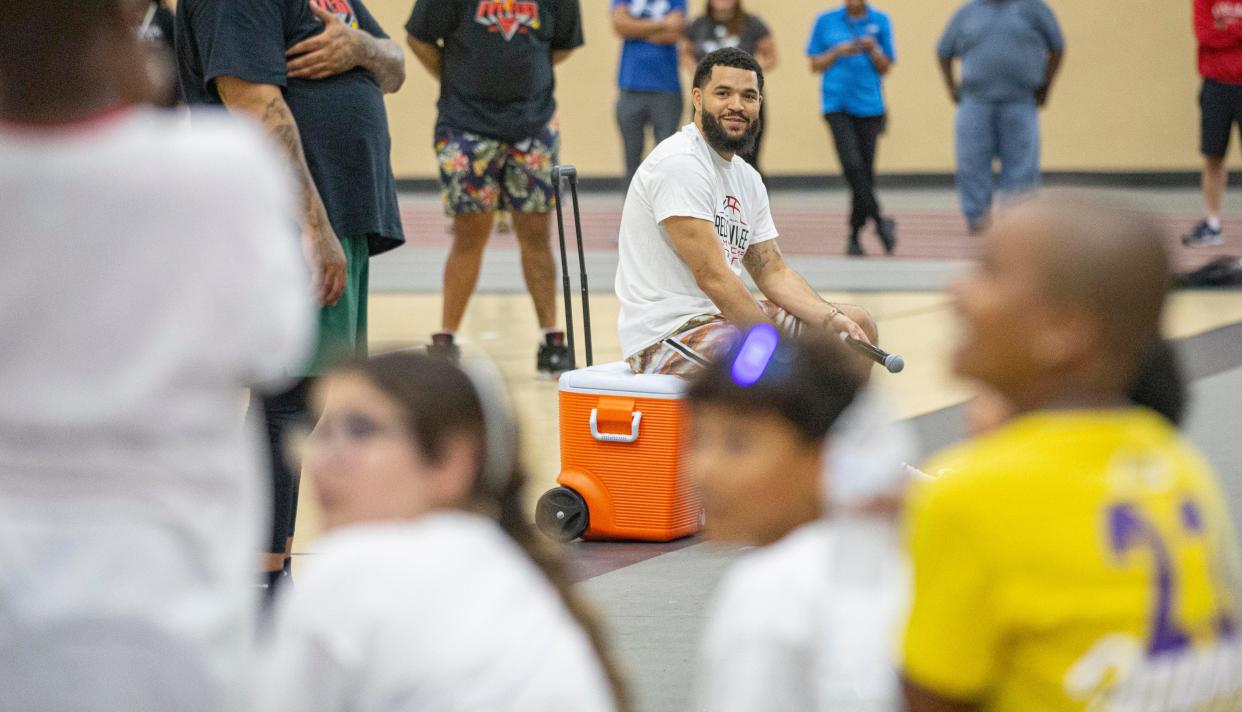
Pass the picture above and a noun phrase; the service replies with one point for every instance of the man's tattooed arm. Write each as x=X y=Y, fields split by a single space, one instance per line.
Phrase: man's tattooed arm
x=266 y=103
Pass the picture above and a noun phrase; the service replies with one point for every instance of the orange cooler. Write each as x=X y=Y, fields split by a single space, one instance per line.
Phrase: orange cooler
x=622 y=473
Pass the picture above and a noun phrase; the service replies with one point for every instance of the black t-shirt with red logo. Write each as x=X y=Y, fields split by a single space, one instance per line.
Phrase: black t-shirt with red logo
x=341 y=119
x=497 y=78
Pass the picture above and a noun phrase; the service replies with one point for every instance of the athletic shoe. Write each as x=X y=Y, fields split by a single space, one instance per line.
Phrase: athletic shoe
x=442 y=346
x=1203 y=235
x=554 y=357
x=854 y=248
x=887 y=228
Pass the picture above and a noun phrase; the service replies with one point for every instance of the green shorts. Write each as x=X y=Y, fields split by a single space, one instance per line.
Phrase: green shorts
x=343 y=326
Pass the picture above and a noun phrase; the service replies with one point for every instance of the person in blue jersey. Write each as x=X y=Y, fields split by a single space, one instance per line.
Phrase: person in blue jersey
x=852 y=47
x=648 y=74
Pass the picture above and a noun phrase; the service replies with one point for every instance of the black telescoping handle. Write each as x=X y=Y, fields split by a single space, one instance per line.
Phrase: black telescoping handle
x=582 y=271
x=557 y=172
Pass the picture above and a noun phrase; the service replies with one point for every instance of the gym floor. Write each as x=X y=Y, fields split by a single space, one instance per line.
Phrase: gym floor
x=652 y=597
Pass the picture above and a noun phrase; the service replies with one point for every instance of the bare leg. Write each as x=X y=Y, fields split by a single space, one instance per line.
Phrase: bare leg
x=535 y=241
x=1214 y=180
x=461 y=269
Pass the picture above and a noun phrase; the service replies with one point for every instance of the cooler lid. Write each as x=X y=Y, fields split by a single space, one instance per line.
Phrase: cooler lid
x=616 y=378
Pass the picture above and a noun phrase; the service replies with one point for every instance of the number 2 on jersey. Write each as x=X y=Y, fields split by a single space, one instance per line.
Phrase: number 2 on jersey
x=1129 y=529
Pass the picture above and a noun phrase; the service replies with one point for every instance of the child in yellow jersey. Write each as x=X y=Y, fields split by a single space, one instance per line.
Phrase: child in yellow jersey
x=1079 y=557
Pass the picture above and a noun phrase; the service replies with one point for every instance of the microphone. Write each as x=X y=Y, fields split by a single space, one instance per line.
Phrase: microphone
x=892 y=362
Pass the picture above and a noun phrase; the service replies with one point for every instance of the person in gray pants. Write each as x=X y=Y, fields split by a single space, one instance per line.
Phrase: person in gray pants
x=1010 y=51
x=648 y=76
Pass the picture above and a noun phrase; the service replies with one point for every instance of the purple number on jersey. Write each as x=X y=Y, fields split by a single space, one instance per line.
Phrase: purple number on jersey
x=1127 y=530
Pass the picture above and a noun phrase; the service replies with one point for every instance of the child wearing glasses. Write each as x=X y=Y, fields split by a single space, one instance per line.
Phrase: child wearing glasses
x=428 y=591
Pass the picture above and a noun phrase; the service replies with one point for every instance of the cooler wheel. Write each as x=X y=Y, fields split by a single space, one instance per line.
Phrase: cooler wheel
x=561 y=514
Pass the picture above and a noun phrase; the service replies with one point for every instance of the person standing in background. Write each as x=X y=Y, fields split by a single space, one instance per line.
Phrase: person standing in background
x=1010 y=51
x=852 y=47
x=314 y=74
x=725 y=23
x=648 y=75
x=496 y=140
x=1218 y=29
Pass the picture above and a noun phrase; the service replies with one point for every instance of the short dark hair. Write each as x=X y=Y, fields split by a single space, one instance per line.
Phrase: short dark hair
x=1160 y=384
x=808 y=381
x=43 y=43
x=726 y=57
x=34 y=31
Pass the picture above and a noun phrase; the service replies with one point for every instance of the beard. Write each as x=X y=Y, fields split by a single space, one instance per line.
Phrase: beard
x=719 y=139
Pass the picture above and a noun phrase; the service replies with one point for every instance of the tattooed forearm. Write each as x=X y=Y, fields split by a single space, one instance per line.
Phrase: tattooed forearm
x=759 y=257
x=280 y=124
x=384 y=59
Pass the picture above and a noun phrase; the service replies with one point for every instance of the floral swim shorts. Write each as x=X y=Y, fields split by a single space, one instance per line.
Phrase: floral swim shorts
x=481 y=175
x=700 y=340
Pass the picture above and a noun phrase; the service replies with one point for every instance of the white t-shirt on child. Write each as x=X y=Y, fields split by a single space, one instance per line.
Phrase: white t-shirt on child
x=683 y=177
x=442 y=613
x=809 y=623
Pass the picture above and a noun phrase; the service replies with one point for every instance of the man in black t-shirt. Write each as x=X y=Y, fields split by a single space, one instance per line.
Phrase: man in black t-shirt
x=314 y=73
x=496 y=141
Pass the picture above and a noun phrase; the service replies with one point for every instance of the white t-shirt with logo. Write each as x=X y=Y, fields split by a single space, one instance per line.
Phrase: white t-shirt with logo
x=683 y=177
x=441 y=613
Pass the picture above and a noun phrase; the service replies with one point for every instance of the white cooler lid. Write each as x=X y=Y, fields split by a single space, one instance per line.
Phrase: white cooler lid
x=617 y=379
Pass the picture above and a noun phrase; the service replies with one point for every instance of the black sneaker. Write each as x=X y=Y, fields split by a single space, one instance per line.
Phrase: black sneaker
x=442 y=346
x=554 y=357
x=854 y=248
x=272 y=583
x=1203 y=235
x=887 y=227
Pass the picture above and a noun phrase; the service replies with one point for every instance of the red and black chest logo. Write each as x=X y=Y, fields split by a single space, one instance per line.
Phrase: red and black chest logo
x=732 y=228
x=508 y=17
x=341 y=8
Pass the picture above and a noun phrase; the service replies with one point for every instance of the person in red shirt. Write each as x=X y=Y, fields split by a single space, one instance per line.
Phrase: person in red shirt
x=1218 y=29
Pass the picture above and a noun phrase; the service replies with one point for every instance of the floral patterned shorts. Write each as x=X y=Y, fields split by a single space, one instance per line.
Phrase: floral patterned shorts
x=699 y=341
x=481 y=175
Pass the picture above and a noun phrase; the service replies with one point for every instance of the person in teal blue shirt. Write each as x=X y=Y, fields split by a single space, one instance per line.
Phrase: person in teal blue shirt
x=852 y=47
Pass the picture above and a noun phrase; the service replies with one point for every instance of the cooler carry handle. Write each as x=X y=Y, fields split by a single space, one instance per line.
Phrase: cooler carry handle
x=615 y=437
x=570 y=173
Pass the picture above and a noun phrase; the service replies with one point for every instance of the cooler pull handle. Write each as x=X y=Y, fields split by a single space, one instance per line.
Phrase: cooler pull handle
x=615 y=437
